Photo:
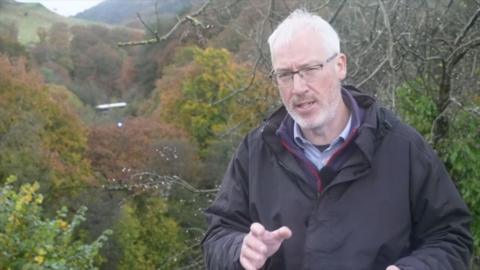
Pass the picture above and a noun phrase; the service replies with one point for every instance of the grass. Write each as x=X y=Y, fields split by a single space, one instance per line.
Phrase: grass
x=28 y=17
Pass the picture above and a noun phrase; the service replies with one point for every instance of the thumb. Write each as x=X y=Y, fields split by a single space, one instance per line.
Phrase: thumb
x=392 y=267
x=282 y=233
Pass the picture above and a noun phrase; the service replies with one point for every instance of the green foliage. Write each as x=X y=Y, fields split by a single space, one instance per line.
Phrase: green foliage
x=28 y=240
x=217 y=77
x=215 y=99
x=417 y=108
x=148 y=238
x=41 y=138
x=461 y=152
x=460 y=149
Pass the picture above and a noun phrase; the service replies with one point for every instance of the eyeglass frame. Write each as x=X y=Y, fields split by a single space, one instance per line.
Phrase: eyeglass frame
x=291 y=74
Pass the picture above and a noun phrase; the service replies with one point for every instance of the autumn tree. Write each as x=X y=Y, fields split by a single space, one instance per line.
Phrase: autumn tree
x=100 y=70
x=40 y=139
x=137 y=146
x=9 y=40
x=212 y=98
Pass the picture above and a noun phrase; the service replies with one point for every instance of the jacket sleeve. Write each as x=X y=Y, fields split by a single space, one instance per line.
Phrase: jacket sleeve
x=441 y=238
x=228 y=217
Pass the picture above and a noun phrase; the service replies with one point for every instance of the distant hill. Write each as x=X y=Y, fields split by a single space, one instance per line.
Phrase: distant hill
x=28 y=17
x=124 y=11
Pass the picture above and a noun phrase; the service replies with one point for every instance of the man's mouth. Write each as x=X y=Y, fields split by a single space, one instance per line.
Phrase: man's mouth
x=304 y=106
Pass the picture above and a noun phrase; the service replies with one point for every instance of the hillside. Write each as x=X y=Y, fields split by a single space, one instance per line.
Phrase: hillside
x=124 y=11
x=28 y=17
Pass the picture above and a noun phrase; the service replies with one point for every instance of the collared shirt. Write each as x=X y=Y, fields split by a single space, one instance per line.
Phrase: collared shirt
x=317 y=157
x=339 y=152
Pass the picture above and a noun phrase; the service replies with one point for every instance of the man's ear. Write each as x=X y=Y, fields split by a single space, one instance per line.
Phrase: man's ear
x=341 y=66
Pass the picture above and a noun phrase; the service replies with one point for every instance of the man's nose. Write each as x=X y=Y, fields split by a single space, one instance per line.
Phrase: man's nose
x=298 y=84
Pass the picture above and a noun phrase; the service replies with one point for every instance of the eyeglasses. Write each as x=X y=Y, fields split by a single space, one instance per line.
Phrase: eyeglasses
x=284 y=78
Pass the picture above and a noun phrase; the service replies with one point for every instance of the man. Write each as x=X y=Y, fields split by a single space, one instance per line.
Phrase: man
x=332 y=181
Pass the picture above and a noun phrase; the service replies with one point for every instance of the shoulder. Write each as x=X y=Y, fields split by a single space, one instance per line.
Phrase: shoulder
x=265 y=133
x=419 y=147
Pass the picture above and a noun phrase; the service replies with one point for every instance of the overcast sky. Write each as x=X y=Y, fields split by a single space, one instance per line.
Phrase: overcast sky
x=65 y=7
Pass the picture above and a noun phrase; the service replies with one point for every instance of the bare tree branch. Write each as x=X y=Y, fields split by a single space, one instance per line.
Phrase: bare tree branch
x=257 y=61
x=152 y=181
x=153 y=32
x=386 y=21
x=473 y=110
x=320 y=7
x=337 y=11
x=474 y=64
x=373 y=73
x=159 y=39
x=461 y=50
x=467 y=27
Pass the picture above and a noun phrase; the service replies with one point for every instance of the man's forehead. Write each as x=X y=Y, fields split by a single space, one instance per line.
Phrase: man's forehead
x=301 y=50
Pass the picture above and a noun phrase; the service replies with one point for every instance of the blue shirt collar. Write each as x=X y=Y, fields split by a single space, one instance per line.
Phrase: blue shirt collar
x=300 y=140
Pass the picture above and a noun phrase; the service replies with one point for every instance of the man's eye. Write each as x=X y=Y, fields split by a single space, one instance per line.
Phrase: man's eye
x=314 y=68
x=283 y=75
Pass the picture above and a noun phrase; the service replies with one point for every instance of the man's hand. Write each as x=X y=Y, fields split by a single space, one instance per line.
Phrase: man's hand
x=392 y=267
x=259 y=244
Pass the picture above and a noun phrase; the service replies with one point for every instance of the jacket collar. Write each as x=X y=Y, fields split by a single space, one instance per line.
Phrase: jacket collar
x=372 y=128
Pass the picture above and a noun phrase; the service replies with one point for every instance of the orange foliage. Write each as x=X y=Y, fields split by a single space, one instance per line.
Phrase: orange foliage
x=37 y=124
x=117 y=152
x=127 y=74
x=16 y=71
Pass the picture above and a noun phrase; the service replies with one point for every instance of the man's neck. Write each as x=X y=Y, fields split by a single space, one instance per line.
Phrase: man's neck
x=327 y=133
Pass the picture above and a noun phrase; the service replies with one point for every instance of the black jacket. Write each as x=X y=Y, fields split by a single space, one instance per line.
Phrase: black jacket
x=391 y=202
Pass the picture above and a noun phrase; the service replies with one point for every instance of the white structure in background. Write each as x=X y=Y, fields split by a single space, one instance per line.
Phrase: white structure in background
x=108 y=106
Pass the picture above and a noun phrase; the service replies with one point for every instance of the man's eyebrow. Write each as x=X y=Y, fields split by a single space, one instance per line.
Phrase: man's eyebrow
x=282 y=70
x=306 y=65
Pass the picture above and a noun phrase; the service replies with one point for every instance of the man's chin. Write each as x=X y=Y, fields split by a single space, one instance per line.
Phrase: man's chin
x=305 y=123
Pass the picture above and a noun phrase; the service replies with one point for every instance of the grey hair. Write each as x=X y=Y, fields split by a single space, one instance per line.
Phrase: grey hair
x=299 y=20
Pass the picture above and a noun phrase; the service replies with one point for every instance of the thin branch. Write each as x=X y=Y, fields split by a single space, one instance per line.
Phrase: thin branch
x=156 y=178
x=257 y=61
x=474 y=65
x=153 y=32
x=410 y=50
x=337 y=11
x=386 y=21
x=158 y=39
x=373 y=73
x=157 y=17
x=473 y=110
x=320 y=7
x=237 y=91
x=460 y=51
x=467 y=27
x=371 y=44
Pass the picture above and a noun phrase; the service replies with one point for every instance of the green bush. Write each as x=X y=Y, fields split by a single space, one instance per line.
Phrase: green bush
x=30 y=241
x=148 y=237
x=459 y=149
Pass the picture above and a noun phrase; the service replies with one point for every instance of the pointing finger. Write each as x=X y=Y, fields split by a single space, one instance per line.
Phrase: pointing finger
x=282 y=233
